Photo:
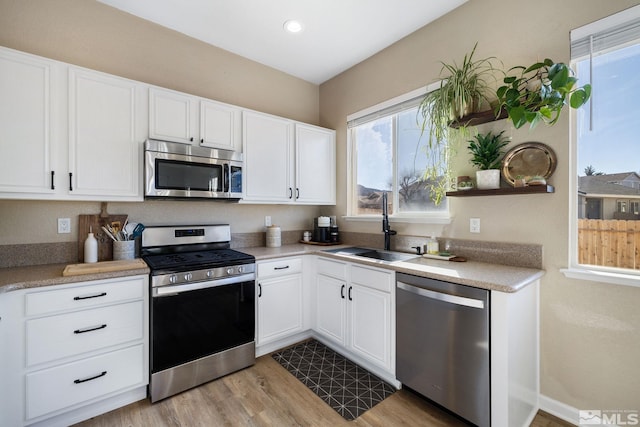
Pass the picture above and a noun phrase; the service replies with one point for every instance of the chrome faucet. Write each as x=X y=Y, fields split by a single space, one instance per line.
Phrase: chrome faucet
x=386 y=229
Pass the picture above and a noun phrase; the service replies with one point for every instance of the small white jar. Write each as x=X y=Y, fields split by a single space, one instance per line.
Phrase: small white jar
x=274 y=237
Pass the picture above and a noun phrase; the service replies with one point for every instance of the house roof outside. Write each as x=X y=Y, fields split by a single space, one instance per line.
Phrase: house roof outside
x=609 y=184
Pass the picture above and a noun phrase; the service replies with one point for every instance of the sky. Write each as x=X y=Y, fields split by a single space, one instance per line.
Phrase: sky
x=614 y=143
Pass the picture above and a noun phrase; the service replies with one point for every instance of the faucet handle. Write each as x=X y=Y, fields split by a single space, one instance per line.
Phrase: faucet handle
x=418 y=249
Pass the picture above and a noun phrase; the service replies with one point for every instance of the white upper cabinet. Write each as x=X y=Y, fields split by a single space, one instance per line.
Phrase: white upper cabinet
x=287 y=162
x=315 y=165
x=188 y=119
x=27 y=117
x=220 y=126
x=107 y=126
x=268 y=158
x=172 y=116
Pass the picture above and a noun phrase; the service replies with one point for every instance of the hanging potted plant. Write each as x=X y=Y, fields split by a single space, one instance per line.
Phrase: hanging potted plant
x=486 y=153
x=463 y=90
x=540 y=92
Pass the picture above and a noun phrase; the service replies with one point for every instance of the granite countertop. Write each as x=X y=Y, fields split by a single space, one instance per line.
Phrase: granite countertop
x=35 y=276
x=482 y=275
x=495 y=277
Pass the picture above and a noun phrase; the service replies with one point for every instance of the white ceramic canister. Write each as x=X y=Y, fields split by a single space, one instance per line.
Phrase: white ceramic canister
x=274 y=237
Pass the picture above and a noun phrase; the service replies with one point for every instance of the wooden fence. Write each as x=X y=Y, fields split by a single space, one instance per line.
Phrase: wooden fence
x=611 y=243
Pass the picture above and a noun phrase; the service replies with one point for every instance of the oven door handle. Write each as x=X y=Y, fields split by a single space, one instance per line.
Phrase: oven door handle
x=170 y=290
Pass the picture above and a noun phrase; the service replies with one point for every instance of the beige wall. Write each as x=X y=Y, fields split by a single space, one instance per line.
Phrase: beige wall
x=92 y=35
x=589 y=331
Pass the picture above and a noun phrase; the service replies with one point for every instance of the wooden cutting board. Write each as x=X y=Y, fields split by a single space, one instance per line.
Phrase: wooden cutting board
x=95 y=223
x=103 y=267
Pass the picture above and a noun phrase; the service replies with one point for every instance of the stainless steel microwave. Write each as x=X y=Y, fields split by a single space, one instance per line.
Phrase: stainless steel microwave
x=176 y=170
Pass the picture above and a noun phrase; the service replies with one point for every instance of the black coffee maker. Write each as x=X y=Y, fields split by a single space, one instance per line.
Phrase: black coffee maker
x=321 y=229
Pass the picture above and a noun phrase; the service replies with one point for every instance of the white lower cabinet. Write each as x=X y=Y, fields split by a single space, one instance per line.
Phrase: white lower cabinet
x=73 y=351
x=354 y=309
x=280 y=299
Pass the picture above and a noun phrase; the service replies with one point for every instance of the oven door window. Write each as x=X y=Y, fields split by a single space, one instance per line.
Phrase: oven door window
x=199 y=323
x=188 y=176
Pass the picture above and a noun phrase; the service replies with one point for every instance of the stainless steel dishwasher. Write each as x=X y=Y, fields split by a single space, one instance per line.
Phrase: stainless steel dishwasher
x=442 y=333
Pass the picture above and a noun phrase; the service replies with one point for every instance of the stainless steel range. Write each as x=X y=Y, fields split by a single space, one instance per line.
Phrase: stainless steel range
x=202 y=306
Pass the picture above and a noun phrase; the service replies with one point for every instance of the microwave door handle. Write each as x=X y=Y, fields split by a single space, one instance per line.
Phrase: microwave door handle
x=226 y=178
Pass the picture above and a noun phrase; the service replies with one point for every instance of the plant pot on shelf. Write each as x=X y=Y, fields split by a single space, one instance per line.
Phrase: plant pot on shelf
x=488 y=179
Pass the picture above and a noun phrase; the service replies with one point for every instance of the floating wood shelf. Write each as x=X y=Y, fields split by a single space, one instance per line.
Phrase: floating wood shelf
x=475 y=119
x=533 y=189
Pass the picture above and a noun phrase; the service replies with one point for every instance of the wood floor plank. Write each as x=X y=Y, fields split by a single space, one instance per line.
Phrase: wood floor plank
x=267 y=395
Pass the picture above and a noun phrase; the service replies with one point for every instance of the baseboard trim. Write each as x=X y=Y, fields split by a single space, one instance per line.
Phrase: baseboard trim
x=559 y=409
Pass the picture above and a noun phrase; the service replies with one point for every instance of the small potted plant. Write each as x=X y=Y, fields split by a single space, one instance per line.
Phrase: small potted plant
x=486 y=153
x=540 y=92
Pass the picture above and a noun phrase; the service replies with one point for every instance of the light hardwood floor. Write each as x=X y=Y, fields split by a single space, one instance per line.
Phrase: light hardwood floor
x=267 y=395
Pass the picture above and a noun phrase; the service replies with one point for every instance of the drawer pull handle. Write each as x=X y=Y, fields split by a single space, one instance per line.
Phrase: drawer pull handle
x=92 y=328
x=281 y=268
x=101 y=294
x=92 y=378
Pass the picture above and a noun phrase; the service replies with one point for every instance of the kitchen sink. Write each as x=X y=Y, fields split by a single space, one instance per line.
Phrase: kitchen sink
x=380 y=255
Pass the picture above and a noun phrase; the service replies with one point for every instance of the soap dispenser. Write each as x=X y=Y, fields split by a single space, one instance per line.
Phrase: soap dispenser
x=90 y=248
x=432 y=246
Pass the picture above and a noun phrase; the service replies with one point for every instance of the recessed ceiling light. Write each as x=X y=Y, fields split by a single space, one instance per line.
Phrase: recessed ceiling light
x=293 y=26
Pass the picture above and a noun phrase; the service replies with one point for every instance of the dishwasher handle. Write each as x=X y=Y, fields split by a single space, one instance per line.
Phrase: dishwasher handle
x=452 y=299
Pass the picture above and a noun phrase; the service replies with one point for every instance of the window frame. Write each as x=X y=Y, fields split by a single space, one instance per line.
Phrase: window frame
x=441 y=217
x=575 y=270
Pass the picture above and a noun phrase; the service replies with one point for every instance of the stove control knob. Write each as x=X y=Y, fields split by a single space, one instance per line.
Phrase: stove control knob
x=173 y=278
x=209 y=274
x=240 y=269
x=188 y=276
x=229 y=270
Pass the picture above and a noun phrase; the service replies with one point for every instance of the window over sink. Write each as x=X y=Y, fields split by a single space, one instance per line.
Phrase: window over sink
x=389 y=152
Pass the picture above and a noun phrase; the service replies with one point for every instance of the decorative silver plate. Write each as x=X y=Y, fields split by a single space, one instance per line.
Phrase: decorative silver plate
x=527 y=160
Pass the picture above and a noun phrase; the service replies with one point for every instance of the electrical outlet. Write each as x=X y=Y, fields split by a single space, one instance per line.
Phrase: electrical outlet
x=267 y=221
x=64 y=225
x=474 y=225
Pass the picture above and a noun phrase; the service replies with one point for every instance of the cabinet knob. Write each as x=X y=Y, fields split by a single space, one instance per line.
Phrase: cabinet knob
x=191 y=139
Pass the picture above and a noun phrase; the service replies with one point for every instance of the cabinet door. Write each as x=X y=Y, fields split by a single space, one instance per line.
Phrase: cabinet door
x=267 y=146
x=370 y=321
x=26 y=118
x=220 y=126
x=279 y=307
x=106 y=131
x=330 y=308
x=315 y=165
x=172 y=116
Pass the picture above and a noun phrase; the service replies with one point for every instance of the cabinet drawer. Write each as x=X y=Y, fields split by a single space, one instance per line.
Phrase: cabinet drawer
x=375 y=279
x=60 y=387
x=279 y=267
x=89 y=294
x=54 y=337
x=332 y=268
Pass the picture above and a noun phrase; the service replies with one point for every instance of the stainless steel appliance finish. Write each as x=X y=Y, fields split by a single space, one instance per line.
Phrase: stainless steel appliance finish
x=176 y=170
x=202 y=306
x=443 y=344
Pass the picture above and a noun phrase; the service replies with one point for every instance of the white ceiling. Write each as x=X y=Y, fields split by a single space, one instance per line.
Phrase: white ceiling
x=337 y=33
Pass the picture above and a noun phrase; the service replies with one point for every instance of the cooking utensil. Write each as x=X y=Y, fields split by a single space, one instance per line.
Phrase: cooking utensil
x=137 y=231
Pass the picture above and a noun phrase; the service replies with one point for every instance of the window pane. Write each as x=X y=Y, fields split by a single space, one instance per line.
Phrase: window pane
x=607 y=160
x=413 y=157
x=374 y=175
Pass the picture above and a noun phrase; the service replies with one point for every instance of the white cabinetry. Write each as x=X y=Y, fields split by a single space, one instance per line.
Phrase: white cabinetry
x=28 y=114
x=354 y=309
x=287 y=162
x=315 y=165
x=68 y=133
x=280 y=299
x=107 y=126
x=188 y=119
x=172 y=116
x=77 y=350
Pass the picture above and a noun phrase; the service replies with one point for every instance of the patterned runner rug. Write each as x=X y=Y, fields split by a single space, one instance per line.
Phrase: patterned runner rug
x=349 y=389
